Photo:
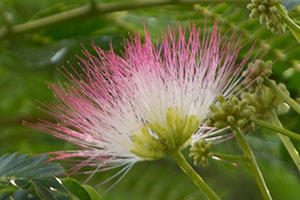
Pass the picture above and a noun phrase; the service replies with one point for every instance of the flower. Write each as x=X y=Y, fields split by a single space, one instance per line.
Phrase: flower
x=145 y=103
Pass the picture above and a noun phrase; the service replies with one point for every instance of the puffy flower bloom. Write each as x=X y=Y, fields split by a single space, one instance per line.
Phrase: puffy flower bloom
x=147 y=102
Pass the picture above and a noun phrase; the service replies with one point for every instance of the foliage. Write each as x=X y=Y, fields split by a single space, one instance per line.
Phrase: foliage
x=25 y=177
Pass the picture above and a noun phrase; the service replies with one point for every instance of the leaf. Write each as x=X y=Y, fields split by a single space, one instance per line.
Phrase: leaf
x=92 y=192
x=23 y=167
x=23 y=171
x=67 y=189
x=56 y=8
x=51 y=187
x=75 y=188
x=43 y=192
x=8 y=189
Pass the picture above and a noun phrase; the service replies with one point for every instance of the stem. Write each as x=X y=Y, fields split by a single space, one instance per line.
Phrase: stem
x=278 y=129
x=283 y=95
x=287 y=143
x=192 y=174
x=96 y=9
x=294 y=28
x=230 y=157
x=252 y=164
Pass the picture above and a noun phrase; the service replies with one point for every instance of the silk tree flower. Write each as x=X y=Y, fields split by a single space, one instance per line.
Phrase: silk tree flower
x=147 y=102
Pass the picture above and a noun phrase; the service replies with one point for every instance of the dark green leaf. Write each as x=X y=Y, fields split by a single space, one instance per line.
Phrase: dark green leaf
x=23 y=171
x=75 y=188
x=43 y=192
x=52 y=187
x=94 y=195
x=23 y=167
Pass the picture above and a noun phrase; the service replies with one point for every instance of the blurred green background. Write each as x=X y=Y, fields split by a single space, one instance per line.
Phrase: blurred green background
x=29 y=60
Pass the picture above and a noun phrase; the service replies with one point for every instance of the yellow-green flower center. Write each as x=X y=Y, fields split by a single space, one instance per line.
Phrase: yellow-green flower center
x=155 y=140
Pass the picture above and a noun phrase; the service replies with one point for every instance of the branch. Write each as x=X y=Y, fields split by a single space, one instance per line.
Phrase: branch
x=230 y=157
x=252 y=163
x=96 y=10
x=193 y=175
x=287 y=142
x=278 y=129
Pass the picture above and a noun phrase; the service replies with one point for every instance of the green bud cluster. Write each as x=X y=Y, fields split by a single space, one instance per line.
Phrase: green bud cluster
x=266 y=12
x=200 y=152
x=256 y=72
x=264 y=99
x=233 y=113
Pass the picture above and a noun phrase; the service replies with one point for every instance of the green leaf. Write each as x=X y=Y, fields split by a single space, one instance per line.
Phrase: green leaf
x=94 y=195
x=43 y=192
x=8 y=189
x=56 y=8
x=24 y=167
x=24 y=171
x=75 y=188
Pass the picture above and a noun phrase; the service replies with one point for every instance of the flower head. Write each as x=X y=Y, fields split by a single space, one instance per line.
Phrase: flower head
x=147 y=102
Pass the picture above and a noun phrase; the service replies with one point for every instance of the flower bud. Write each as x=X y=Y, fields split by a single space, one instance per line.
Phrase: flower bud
x=233 y=113
x=256 y=72
x=265 y=100
x=230 y=120
x=262 y=8
x=266 y=12
x=220 y=124
x=200 y=152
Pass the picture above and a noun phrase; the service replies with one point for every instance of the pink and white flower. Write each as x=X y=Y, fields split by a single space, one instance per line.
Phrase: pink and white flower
x=150 y=100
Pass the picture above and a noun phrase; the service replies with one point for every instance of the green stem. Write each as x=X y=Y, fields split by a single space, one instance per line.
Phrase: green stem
x=283 y=95
x=229 y=157
x=96 y=9
x=287 y=143
x=252 y=164
x=274 y=119
x=192 y=174
x=294 y=28
x=278 y=129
